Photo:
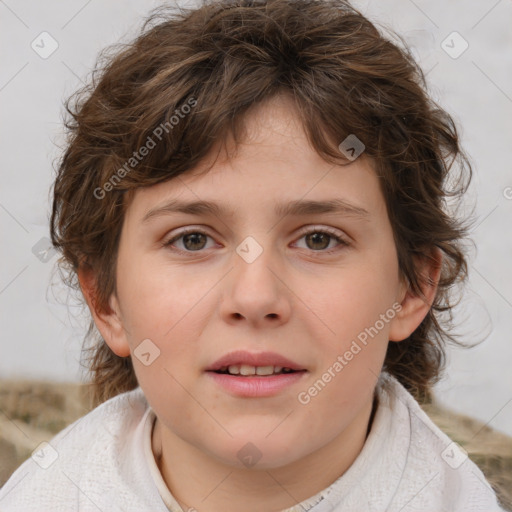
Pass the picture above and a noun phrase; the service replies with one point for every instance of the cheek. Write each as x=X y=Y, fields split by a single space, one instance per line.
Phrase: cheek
x=356 y=298
x=158 y=299
x=356 y=313
x=164 y=307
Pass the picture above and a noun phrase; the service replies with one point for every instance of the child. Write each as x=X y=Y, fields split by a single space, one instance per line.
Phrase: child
x=278 y=366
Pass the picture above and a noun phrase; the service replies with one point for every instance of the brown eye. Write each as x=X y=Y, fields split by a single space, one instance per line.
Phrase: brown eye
x=194 y=241
x=318 y=241
x=191 y=241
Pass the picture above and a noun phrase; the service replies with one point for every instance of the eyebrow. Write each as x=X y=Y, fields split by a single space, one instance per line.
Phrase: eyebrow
x=293 y=208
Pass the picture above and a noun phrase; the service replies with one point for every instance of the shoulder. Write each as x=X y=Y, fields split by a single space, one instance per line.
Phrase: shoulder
x=85 y=464
x=437 y=472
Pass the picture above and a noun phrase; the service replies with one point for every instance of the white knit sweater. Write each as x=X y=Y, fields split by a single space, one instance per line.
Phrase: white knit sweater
x=103 y=462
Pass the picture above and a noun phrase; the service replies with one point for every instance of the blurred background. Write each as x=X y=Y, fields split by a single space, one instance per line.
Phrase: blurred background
x=49 y=48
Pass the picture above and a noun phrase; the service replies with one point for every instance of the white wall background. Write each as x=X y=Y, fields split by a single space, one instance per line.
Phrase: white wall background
x=41 y=338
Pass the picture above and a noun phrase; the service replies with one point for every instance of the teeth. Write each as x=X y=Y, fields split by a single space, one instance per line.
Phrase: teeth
x=247 y=370
x=234 y=370
x=264 y=370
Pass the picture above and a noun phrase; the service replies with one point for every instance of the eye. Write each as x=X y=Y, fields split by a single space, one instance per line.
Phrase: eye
x=193 y=240
x=319 y=239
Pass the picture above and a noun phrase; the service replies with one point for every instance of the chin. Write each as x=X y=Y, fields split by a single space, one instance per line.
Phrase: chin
x=256 y=454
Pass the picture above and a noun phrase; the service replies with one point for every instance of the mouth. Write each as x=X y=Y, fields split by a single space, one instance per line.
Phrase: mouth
x=255 y=375
x=244 y=363
x=245 y=370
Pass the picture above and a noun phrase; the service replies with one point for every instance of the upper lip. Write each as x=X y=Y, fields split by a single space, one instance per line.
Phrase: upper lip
x=240 y=357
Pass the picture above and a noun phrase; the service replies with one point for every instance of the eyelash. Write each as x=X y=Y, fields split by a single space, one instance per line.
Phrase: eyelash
x=327 y=231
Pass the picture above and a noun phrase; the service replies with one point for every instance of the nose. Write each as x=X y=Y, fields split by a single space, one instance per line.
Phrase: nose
x=256 y=290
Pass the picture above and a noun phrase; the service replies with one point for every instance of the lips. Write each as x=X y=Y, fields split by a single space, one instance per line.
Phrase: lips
x=244 y=374
x=242 y=358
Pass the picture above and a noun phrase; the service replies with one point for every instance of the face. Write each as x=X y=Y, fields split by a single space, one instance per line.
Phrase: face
x=318 y=288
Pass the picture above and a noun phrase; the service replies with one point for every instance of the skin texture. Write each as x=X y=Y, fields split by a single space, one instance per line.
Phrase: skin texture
x=294 y=298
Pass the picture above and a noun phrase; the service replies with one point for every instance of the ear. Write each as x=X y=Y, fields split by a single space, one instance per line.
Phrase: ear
x=413 y=307
x=109 y=321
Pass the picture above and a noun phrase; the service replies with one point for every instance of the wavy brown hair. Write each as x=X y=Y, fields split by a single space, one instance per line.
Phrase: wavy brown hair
x=344 y=76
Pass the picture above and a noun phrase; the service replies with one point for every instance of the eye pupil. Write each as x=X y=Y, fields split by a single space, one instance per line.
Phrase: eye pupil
x=317 y=238
x=193 y=237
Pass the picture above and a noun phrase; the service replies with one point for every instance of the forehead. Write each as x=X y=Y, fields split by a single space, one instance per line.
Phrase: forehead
x=273 y=167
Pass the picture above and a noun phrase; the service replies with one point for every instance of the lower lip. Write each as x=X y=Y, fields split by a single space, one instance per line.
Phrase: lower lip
x=256 y=386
